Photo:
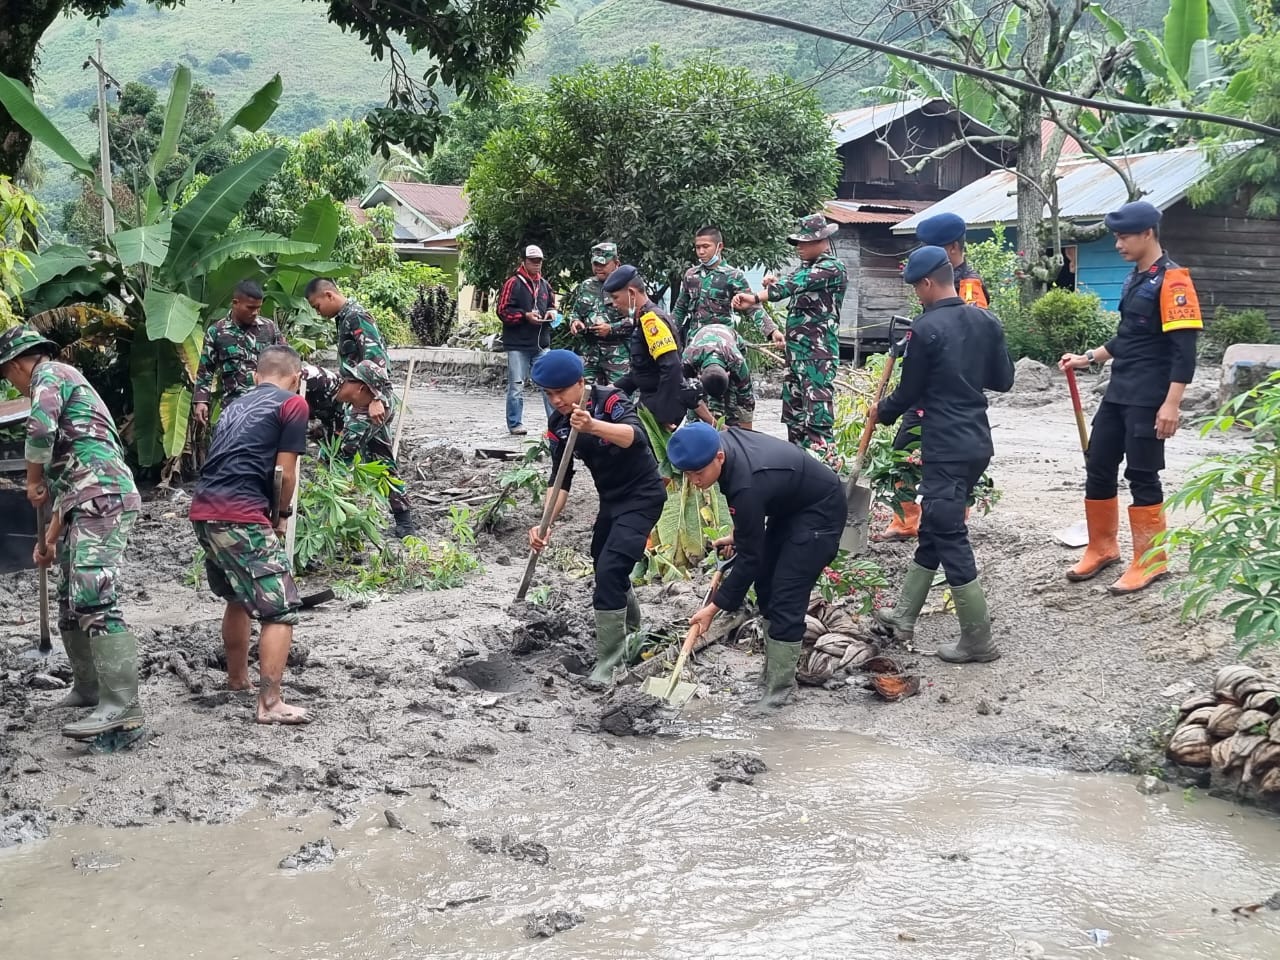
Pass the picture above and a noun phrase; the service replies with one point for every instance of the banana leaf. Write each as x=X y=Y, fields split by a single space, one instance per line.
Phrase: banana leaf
x=247 y=243
x=175 y=418
x=21 y=106
x=170 y=316
x=57 y=260
x=174 y=116
x=255 y=112
x=144 y=376
x=147 y=244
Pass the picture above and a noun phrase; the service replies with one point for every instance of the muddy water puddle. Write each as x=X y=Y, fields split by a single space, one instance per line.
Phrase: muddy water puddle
x=842 y=849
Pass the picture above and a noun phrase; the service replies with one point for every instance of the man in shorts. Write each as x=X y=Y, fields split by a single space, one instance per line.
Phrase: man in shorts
x=245 y=558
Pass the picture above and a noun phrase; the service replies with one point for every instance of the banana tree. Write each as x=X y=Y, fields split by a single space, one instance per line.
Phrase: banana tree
x=172 y=264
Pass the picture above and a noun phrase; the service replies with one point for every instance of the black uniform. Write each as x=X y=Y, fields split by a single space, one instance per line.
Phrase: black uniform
x=1150 y=351
x=972 y=290
x=631 y=492
x=788 y=513
x=656 y=368
x=954 y=351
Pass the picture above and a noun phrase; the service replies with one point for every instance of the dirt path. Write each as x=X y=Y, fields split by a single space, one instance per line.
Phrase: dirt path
x=409 y=691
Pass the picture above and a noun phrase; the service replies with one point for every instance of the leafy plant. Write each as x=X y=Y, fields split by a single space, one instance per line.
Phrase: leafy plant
x=1070 y=322
x=858 y=577
x=1228 y=327
x=1233 y=551
x=19 y=220
x=433 y=314
x=528 y=475
x=341 y=508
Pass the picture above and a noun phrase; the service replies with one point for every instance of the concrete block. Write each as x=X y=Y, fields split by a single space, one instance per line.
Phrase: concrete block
x=1245 y=365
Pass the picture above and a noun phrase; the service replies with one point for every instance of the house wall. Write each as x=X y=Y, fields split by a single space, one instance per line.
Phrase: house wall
x=868 y=169
x=1100 y=270
x=876 y=292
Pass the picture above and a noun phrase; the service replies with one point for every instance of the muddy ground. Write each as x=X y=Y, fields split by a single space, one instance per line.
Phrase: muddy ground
x=408 y=690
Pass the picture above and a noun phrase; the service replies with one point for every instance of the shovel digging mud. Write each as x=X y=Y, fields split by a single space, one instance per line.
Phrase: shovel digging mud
x=858 y=495
x=1076 y=535
x=552 y=496
x=672 y=689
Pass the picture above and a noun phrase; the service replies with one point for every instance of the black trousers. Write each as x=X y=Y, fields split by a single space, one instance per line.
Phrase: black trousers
x=944 y=537
x=910 y=428
x=1128 y=433
x=618 y=539
x=796 y=549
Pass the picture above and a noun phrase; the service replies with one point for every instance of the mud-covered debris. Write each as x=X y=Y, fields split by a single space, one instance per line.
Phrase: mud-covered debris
x=454 y=904
x=45 y=681
x=311 y=856
x=983 y=708
x=549 y=924
x=393 y=820
x=1272 y=902
x=736 y=766
x=630 y=713
x=529 y=850
x=23 y=826
x=96 y=860
x=954 y=857
x=1149 y=786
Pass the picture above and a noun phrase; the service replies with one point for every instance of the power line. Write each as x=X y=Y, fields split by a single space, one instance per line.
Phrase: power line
x=988 y=75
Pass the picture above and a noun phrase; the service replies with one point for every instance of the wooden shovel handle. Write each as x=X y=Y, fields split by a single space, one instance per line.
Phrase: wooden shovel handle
x=873 y=417
x=1079 y=411
x=552 y=495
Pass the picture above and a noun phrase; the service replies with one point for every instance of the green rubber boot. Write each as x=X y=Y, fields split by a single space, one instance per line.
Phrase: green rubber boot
x=764 y=632
x=900 y=622
x=634 y=620
x=84 y=684
x=975 y=644
x=779 y=675
x=611 y=643
x=115 y=656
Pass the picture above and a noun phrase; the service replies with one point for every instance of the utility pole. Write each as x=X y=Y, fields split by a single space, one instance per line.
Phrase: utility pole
x=104 y=145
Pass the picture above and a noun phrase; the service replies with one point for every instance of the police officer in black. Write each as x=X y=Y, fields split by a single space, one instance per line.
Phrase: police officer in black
x=788 y=513
x=1153 y=358
x=613 y=444
x=945 y=230
x=655 y=345
x=953 y=353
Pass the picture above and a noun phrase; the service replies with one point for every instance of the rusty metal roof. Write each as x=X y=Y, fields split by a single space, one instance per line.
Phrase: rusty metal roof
x=867 y=211
x=1087 y=189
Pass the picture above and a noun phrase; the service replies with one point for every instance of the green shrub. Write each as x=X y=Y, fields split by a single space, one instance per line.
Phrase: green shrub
x=393 y=325
x=1228 y=327
x=1070 y=322
x=996 y=262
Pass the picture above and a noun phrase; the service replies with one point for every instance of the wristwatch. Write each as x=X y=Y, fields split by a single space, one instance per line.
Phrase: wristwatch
x=286 y=512
x=1088 y=355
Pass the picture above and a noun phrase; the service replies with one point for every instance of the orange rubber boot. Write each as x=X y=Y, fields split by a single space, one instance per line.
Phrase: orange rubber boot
x=1103 y=517
x=1144 y=523
x=905 y=527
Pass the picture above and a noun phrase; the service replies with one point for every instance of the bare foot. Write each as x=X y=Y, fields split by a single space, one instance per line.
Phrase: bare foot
x=282 y=713
x=235 y=683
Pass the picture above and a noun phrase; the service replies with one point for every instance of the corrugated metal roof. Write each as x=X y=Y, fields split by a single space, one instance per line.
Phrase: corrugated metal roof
x=857 y=123
x=853 y=211
x=1087 y=189
x=442 y=204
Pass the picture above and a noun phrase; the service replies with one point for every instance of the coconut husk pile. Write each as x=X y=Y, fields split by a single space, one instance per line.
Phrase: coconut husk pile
x=1234 y=730
x=836 y=642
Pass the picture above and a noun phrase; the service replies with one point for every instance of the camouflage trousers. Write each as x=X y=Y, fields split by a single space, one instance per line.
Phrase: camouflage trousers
x=373 y=441
x=246 y=564
x=89 y=552
x=808 y=401
x=604 y=362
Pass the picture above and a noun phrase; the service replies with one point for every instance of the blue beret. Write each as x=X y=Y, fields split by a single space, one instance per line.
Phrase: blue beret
x=557 y=369
x=923 y=262
x=941 y=229
x=620 y=278
x=1133 y=218
x=693 y=446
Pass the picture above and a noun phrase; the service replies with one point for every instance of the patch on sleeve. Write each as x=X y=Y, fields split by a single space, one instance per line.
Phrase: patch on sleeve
x=611 y=404
x=657 y=335
x=1179 y=304
x=971 y=292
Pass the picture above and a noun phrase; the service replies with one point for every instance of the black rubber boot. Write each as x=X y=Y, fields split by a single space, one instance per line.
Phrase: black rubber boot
x=404 y=524
x=115 y=656
x=84 y=686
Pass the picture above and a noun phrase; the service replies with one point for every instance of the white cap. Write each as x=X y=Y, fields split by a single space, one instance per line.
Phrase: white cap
x=532 y=250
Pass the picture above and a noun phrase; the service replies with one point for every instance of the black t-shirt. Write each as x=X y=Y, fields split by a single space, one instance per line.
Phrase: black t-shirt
x=621 y=473
x=235 y=484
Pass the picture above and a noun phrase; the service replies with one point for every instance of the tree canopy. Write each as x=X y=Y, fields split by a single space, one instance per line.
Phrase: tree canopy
x=644 y=155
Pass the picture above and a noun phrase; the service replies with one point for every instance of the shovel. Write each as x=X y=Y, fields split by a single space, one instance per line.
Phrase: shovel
x=1076 y=535
x=552 y=497
x=672 y=689
x=853 y=540
x=42 y=526
x=277 y=484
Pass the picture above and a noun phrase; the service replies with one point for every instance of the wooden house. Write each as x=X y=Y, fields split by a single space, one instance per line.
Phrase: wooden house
x=878 y=190
x=1229 y=253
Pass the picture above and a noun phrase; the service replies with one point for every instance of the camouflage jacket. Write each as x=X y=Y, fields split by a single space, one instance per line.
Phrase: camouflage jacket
x=591 y=305
x=716 y=343
x=362 y=353
x=816 y=291
x=322 y=394
x=71 y=432
x=706 y=295
x=231 y=352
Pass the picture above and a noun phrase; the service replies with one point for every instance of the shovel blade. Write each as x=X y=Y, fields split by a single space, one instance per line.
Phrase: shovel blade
x=661 y=687
x=1076 y=535
x=853 y=539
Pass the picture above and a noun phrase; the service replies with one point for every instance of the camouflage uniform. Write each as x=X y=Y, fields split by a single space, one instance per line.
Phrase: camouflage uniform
x=716 y=344
x=706 y=295
x=246 y=564
x=231 y=351
x=322 y=397
x=71 y=432
x=362 y=356
x=816 y=291
x=606 y=358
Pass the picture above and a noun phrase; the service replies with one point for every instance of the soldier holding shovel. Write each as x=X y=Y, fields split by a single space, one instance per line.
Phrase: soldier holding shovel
x=76 y=461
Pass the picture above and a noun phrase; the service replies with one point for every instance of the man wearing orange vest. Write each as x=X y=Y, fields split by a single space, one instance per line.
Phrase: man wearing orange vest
x=946 y=230
x=1153 y=358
